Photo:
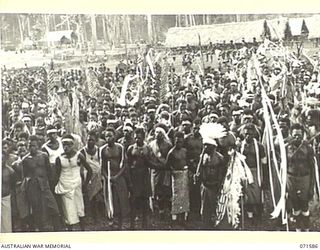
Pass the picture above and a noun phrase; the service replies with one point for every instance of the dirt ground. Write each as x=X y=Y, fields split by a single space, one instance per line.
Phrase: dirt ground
x=194 y=223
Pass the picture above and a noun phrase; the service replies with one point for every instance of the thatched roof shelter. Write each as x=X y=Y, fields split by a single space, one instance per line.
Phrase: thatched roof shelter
x=313 y=24
x=277 y=28
x=297 y=27
x=181 y=36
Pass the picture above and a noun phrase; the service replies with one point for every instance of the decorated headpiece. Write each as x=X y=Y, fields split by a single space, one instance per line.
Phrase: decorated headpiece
x=210 y=132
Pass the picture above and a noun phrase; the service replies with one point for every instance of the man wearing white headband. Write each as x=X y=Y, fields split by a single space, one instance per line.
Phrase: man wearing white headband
x=236 y=119
x=28 y=122
x=247 y=117
x=70 y=185
x=127 y=138
x=53 y=147
x=160 y=176
x=211 y=168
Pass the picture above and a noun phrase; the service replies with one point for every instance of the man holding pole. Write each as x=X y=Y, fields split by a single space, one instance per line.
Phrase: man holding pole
x=113 y=169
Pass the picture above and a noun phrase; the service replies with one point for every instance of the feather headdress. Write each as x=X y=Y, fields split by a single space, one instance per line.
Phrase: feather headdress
x=212 y=131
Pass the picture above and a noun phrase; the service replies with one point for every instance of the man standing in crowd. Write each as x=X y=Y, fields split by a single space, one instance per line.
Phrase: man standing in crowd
x=256 y=161
x=93 y=197
x=301 y=177
x=177 y=162
x=160 y=175
x=113 y=167
x=210 y=174
x=69 y=185
x=194 y=145
x=37 y=173
x=139 y=171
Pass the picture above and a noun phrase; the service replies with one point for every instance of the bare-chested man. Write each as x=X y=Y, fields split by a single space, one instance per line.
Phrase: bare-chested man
x=37 y=171
x=301 y=177
x=160 y=176
x=140 y=190
x=113 y=158
x=256 y=161
x=193 y=144
x=177 y=162
x=210 y=173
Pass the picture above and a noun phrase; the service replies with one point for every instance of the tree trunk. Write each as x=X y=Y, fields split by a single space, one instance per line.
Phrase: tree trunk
x=54 y=22
x=94 y=31
x=109 y=29
x=193 y=20
x=204 y=19
x=149 y=20
x=104 y=28
x=190 y=20
x=20 y=28
x=115 y=32
x=186 y=20
x=208 y=19
x=46 y=21
x=155 y=33
x=129 y=29
x=68 y=22
x=28 y=25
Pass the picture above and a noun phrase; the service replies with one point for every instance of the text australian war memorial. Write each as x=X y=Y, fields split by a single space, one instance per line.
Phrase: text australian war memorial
x=160 y=122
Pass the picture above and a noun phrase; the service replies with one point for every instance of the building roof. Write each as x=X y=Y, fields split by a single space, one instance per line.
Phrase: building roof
x=181 y=36
x=297 y=26
x=277 y=28
x=313 y=24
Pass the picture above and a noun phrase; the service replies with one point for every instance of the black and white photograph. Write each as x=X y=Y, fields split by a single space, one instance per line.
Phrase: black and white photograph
x=160 y=122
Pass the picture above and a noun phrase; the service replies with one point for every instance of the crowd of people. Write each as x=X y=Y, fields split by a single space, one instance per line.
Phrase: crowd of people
x=147 y=140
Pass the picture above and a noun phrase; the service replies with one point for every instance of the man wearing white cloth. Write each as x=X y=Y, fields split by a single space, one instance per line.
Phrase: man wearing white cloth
x=69 y=184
